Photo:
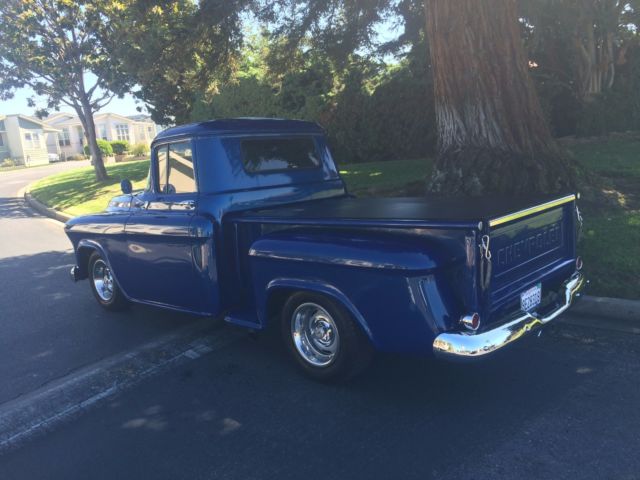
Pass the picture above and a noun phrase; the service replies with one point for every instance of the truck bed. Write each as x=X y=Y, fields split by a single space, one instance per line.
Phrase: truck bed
x=399 y=212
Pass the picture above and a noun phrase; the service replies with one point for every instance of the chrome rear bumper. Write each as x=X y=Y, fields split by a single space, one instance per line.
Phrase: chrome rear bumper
x=468 y=346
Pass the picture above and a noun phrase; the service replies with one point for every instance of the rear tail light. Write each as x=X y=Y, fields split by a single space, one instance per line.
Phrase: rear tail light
x=471 y=322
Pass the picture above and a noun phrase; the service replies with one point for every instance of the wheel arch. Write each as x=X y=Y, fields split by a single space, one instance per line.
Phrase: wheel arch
x=84 y=250
x=280 y=289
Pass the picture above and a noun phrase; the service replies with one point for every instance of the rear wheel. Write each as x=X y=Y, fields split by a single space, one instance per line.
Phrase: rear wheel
x=103 y=285
x=323 y=338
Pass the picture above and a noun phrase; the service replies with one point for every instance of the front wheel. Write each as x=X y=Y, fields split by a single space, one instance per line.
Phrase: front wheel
x=103 y=284
x=323 y=338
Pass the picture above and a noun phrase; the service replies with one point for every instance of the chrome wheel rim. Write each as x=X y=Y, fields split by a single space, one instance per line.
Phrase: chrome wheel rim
x=315 y=334
x=102 y=280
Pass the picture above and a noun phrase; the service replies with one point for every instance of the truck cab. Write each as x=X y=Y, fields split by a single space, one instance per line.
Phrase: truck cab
x=249 y=219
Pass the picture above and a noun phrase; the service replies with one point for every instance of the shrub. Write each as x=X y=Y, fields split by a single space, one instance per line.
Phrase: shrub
x=120 y=147
x=8 y=162
x=103 y=145
x=140 y=149
x=75 y=157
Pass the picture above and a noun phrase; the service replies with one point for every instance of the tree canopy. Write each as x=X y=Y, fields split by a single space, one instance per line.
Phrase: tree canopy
x=53 y=46
x=170 y=52
x=364 y=69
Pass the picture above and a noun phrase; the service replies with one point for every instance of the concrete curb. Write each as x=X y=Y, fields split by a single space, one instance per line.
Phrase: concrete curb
x=41 y=208
x=617 y=308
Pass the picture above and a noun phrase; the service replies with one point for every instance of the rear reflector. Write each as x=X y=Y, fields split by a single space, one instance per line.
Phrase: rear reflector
x=471 y=322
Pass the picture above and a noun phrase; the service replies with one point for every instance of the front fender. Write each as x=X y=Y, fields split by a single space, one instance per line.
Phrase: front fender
x=84 y=249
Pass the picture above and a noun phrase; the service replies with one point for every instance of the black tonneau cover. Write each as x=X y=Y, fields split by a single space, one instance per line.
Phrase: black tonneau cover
x=427 y=212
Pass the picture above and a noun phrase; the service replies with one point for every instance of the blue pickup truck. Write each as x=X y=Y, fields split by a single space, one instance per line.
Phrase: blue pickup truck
x=249 y=219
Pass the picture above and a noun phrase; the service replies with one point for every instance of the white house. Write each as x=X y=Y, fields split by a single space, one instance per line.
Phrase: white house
x=24 y=139
x=29 y=141
x=109 y=126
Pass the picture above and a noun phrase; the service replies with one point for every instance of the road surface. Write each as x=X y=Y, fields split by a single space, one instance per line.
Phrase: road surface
x=51 y=326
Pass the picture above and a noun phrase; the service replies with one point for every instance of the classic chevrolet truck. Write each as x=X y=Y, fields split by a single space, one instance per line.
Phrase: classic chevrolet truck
x=249 y=219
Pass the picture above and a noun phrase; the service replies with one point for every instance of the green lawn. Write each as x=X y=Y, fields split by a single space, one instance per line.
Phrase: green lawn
x=385 y=178
x=610 y=245
x=78 y=192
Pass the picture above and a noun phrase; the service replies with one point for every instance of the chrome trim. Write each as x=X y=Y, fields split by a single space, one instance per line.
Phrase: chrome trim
x=315 y=334
x=465 y=346
x=75 y=273
x=102 y=280
x=531 y=210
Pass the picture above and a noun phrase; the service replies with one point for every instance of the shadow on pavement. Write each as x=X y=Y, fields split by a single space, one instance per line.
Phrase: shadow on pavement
x=14 y=207
x=51 y=326
x=540 y=410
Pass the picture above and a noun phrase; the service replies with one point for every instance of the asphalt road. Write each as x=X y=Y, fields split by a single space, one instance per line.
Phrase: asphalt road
x=50 y=326
x=563 y=406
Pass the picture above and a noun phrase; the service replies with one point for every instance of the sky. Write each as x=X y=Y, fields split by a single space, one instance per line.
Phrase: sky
x=18 y=104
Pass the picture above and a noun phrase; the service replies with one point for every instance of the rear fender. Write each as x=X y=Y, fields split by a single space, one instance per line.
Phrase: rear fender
x=293 y=284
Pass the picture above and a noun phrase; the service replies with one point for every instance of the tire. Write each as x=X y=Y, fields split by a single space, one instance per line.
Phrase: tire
x=323 y=338
x=103 y=284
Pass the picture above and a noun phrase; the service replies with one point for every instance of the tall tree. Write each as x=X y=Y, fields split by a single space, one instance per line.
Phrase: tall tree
x=588 y=37
x=52 y=46
x=171 y=52
x=493 y=136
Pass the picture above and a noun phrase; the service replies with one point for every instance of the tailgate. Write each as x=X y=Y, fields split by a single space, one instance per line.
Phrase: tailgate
x=529 y=247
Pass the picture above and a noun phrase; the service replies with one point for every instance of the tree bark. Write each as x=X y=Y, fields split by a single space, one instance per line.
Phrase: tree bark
x=85 y=113
x=493 y=137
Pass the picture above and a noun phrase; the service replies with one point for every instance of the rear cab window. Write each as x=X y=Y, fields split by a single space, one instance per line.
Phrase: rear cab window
x=262 y=155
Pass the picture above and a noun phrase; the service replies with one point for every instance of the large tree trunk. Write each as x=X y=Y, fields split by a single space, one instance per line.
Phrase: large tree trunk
x=493 y=137
x=86 y=119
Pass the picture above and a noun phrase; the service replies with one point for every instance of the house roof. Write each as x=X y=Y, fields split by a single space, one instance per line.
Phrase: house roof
x=242 y=125
x=74 y=120
x=45 y=126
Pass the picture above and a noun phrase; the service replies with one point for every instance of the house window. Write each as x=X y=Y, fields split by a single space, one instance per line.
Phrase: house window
x=122 y=131
x=64 y=139
x=150 y=131
x=32 y=140
x=1 y=141
x=140 y=134
x=102 y=131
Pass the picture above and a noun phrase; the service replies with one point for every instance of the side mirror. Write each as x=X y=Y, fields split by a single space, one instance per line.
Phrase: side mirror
x=126 y=187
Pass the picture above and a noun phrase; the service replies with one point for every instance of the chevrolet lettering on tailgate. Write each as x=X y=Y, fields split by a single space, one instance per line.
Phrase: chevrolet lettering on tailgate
x=544 y=240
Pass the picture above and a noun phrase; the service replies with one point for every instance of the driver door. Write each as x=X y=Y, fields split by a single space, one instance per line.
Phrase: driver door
x=158 y=231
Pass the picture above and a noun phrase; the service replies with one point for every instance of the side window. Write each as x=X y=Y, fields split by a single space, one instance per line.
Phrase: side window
x=175 y=168
x=181 y=176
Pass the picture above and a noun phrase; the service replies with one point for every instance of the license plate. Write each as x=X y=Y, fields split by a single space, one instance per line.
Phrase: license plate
x=530 y=299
